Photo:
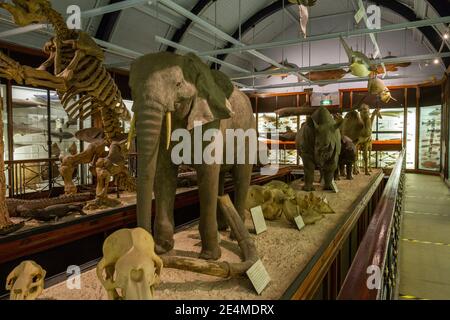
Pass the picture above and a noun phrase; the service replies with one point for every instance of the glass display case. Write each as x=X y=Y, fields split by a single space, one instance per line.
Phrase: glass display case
x=267 y=123
x=430 y=138
x=5 y=123
x=41 y=133
x=411 y=138
x=387 y=128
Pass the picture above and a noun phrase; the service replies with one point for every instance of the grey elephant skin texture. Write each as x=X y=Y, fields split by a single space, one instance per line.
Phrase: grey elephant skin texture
x=171 y=91
x=319 y=145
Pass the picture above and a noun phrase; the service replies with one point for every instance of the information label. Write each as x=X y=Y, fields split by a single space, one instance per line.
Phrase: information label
x=334 y=186
x=299 y=222
x=258 y=276
x=258 y=219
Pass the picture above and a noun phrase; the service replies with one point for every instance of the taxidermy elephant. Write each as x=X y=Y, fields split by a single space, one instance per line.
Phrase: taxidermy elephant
x=319 y=144
x=171 y=92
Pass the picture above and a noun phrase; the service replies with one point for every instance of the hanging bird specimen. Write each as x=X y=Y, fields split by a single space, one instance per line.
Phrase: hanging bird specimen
x=303 y=13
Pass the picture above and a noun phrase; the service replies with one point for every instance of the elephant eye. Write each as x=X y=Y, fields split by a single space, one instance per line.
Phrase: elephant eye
x=178 y=84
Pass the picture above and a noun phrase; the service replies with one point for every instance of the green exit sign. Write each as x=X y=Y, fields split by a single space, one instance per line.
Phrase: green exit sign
x=327 y=102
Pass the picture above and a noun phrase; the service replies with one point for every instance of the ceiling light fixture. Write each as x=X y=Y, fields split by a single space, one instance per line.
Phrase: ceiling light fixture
x=436 y=61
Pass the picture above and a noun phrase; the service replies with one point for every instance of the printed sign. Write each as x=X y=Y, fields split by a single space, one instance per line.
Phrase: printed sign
x=258 y=219
x=258 y=276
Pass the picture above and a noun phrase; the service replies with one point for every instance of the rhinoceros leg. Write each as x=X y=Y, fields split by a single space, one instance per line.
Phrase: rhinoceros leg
x=309 y=166
x=328 y=176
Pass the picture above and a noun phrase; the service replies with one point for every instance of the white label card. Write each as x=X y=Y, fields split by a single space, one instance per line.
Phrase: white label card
x=334 y=187
x=258 y=219
x=299 y=222
x=258 y=276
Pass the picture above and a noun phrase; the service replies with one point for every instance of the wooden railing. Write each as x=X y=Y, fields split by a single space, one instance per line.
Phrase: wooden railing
x=373 y=273
x=34 y=175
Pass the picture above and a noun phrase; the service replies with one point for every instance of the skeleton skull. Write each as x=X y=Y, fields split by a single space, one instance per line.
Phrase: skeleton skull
x=130 y=264
x=26 y=12
x=26 y=281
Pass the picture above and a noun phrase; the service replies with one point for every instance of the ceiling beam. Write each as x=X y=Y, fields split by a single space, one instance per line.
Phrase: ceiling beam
x=114 y=6
x=418 y=58
x=209 y=58
x=336 y=35
x=210 y=28
x=326 y=82
x=266 y=12
x=179 y=34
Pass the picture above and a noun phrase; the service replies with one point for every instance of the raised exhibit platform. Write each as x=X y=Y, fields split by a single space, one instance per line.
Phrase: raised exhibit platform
x=297 y=261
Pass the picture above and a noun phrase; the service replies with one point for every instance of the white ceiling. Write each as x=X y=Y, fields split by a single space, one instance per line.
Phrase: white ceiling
x=137 y=27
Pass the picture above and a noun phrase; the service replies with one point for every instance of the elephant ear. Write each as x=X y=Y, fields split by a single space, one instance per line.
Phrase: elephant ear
x=211 y=101
x=223 y=82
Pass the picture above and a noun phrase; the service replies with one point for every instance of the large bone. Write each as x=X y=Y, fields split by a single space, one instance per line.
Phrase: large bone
x=221 y=269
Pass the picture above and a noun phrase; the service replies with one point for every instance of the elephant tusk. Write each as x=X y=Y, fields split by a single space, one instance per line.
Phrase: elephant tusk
x=132 y=132
x=169 y=128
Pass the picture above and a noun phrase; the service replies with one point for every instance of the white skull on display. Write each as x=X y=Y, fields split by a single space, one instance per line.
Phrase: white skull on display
x=26 y=281
x=130 y=268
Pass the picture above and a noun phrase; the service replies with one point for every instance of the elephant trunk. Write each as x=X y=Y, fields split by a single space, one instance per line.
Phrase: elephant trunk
x=148 y=130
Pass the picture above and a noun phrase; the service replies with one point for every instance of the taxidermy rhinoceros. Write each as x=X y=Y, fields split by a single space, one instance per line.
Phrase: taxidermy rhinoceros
x=319 y=145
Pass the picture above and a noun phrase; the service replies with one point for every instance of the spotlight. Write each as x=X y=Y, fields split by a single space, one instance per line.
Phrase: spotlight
x=436 y=61
x=446 y=36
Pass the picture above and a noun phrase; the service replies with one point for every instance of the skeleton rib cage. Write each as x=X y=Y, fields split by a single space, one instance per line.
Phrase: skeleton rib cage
x=98 y=93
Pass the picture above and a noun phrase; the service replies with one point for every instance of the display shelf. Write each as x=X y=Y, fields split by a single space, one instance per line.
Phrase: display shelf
x=314 y=254
x=46 y=243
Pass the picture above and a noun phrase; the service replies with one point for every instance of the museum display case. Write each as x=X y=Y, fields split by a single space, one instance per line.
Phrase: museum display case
x=38 y=131
x=430 y=138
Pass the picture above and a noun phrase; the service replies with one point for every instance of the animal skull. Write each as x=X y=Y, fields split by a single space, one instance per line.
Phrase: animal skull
x=26 y=281
x=26 y=12
x=131 y=266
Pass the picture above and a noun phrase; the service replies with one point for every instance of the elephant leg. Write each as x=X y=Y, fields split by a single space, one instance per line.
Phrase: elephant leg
x=221 y=221
x=309 y=174
x=165 y=189
x=242 y=176
x=208 y=187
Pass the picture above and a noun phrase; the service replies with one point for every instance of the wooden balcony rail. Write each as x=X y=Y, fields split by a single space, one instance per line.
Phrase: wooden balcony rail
x=373 y=273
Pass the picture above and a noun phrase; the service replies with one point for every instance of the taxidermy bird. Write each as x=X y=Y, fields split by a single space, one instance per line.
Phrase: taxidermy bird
x=392 y=67
x=359 y=62
x=377 y=87
x=303 y=12
x=284 y=63
x=322 y=75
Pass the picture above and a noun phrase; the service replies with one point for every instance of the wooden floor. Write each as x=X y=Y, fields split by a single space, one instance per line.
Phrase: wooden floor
x=425 y=239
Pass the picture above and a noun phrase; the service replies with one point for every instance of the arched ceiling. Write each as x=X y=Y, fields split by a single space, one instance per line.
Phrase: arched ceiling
x=131 y=32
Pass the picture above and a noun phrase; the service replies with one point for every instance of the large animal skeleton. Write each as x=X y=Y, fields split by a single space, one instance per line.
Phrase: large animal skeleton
x=77 y=71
